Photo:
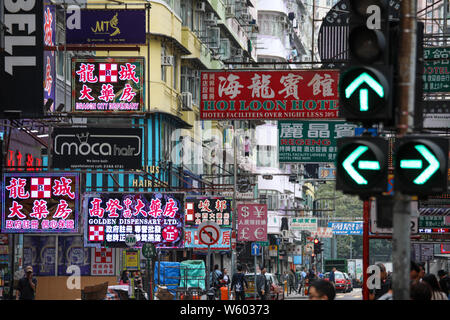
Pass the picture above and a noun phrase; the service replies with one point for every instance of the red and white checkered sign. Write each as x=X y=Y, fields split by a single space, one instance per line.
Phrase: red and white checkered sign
x=189 y=216
x=41 y=187
x=102 y=261
x=103 y=255
x=108 y=72
x=96 y=233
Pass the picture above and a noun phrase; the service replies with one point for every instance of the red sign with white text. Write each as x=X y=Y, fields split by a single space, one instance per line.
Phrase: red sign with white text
x=252 y=222
x=263 y=94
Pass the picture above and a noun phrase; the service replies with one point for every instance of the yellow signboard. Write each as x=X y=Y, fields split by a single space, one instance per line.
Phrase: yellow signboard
x=131 y=259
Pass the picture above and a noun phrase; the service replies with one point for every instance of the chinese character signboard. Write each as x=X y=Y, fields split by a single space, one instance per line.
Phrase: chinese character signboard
x=102 y=262
x=436 y=73
x=40 y=203
x=293 y=94
x=252 y=222
x=49 y=56
x=216 y=209
x=327 y=173
x=109 y=27
x=311 y=141
x=97 y=148
x=191 y=240
x=156 y=218
x=107 y=85
x=322 y=233
x=346 y=228
x=303 y=224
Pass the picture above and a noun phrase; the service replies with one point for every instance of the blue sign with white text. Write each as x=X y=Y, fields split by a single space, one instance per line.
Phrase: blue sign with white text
x=346 y=228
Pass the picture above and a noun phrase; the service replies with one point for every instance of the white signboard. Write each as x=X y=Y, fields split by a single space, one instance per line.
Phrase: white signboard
x=102 y=262
x=303 y=224
x=373 y=218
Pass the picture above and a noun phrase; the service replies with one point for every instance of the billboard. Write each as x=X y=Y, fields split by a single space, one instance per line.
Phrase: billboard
x=108 y=85
x=191 y=240
x=252 y=222
x=49 y=56
x=97 y=148
x=215 y=209
x=22 y=60
x=311 y=141
x=108 y=27
x=346 y=228
x=268 y=94
x=40 y=203
x=156 y=218
x=436 y=73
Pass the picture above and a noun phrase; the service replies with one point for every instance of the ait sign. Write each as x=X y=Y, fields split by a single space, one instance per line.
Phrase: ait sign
x=292 y=94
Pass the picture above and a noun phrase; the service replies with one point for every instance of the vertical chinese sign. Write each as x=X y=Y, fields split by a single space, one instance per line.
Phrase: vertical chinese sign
x=40 y=203
x=200 y=209
x=156 y=218
x=252 y=222
x=49 y=56
x=311 y=141
x=108 y=85
x=293 y=94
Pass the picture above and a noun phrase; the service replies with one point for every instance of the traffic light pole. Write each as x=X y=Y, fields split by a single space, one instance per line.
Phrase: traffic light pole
x=406 y=88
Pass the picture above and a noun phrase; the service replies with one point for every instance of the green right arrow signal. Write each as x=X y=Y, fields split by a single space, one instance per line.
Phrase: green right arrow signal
x=417 y=164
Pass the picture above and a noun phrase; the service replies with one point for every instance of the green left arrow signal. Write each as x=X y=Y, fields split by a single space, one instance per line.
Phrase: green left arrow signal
x=417 y=164
x=363 y=165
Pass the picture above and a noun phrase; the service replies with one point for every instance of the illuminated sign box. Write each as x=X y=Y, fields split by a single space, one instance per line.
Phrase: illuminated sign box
x=215 y=209
x=40 y=203
x=156 y=218
x=108 y=85
x=191 y=240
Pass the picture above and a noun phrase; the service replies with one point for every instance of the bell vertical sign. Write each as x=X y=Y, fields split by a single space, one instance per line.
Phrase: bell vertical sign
x=21 y=62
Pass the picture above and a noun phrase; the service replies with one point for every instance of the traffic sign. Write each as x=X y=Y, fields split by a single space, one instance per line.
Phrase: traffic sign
x=208 y=233
x=421 y=165
x=361 y=165
x=256 y=249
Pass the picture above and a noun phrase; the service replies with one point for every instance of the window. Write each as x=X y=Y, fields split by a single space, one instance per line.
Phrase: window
x=273 y=201
x=163 y=68
x=187 y=14
x=175 y=73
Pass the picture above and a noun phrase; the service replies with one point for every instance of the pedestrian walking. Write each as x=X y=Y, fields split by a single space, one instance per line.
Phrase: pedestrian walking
x=124 y=279
x=247 y=146
x=321 y=290
x=26 y=288
x=301 y=287
x=291 y=281
x=262 y=285
x=215 y=277
x=444 y=282
x=437 y=293
x=225 y=281
x=332 y=278
x=422 y=271
x=239 y=284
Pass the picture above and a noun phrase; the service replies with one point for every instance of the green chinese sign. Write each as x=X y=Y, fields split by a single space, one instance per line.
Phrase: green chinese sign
x=433 y=222
x=303 y=224
x=436 y=74
x=311 y=141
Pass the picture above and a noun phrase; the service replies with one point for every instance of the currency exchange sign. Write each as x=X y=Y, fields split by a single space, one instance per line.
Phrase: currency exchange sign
x=252 y=222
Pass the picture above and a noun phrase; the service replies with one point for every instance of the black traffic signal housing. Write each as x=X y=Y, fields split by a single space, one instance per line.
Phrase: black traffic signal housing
x=421 y=165
x=316 y=246
x=312 y=257
x=366 y=85
x=362 y=166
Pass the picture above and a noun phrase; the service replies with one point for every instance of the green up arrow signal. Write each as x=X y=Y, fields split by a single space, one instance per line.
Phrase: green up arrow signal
x=363 y=165
x=364 y=93
x=417 y=164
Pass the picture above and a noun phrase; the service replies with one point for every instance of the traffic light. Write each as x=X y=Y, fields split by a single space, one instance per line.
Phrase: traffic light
x=316 y=246
x=366 y=85
x=361 y=165
x=421 y=164
x=312 y=257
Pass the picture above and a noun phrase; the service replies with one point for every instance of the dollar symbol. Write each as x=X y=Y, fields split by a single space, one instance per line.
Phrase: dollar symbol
x=244 y=212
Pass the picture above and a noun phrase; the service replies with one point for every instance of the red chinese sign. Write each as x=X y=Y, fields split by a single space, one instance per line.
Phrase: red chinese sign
x=287 y=94
x=108 y=85
x=15 y=158
x=215 y=209
x=252 y=222
x=35 y=203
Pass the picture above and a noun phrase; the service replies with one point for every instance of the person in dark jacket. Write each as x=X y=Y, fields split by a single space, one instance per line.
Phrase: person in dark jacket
x=332 y=278
x=239 y=284
x=26 y=288
x=262 y=285
x=444 y=282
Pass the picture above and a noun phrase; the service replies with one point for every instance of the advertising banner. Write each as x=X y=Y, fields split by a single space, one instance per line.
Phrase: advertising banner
x=49 y=56
x=322 y=233
x=102 y=261
x=72 y=252
x=108 y=27
x=22 y=58
x=215 y=209
x=303 y=224
x=311 y=141
x=346 y=228
x=252 y=222
x=108 y=85
x=40 y=203
x=191 y=240
x=436 y=114
x=156 y=218
x=327 y=173
x=270 y=95
x=436 y=73
x=97 y=148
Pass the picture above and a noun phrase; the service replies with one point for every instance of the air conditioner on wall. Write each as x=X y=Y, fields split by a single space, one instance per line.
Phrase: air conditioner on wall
x=200 y=6
x=167 y=60
x=186 y=99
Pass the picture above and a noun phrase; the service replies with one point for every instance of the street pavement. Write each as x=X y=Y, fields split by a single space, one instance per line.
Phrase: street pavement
x=356 y=294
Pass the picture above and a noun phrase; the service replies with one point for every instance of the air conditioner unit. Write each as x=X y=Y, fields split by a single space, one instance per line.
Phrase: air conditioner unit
x=167 y=60
x=210 y=16
x=229 y=11
x=238 y=52
x=200 y=6
x=186 y=98
x=245 y=16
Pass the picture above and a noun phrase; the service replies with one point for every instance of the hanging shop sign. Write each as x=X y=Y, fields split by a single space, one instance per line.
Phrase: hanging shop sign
x=267 y=94
x=102 y=261
x=436 y=72
x=22 y=57
x=192 y=239
x=97 y=148
x=252 y=222
x=108 y=27
x=215 y=209
x=108 y=85
x=40 y=203
x=327 y=173
x=49 y=56
x=303 y=224
x=322 y=232
x=436 y=114
x=346 y=228
x=156 y=218
x=131 y=259
x=311 y=141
